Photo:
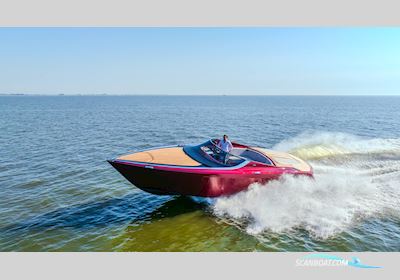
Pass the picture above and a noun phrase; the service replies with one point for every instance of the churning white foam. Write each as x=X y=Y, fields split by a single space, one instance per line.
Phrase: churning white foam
x=341 y=194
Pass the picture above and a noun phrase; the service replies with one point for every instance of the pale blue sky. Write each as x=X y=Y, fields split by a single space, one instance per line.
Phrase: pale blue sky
x=200 y=60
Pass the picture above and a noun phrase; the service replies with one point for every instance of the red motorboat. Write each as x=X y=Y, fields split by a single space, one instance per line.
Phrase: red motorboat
x=204 y=170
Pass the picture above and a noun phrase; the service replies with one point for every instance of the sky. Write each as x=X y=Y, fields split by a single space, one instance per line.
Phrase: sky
x=206 y=61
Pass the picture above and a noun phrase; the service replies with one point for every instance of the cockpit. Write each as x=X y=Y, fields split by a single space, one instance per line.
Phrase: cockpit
x=210 y=154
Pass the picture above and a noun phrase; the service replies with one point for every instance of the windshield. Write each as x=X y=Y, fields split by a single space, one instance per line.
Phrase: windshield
x=210 y=154
x=212 y=151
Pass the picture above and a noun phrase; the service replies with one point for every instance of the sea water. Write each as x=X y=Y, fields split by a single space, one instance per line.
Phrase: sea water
x=58 y=193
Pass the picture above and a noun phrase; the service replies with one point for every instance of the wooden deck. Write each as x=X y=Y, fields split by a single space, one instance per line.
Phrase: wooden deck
x=170 y=156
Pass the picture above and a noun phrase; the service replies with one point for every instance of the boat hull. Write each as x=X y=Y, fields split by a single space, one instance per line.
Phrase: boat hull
x=202 y=182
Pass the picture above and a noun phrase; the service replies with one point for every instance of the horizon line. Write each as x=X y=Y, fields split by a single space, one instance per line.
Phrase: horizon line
x=105 y=94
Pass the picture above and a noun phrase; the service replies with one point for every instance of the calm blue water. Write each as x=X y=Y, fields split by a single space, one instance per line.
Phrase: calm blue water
x=59 y=194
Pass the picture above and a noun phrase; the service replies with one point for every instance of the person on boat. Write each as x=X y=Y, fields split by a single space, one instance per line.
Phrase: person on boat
x=226 y=146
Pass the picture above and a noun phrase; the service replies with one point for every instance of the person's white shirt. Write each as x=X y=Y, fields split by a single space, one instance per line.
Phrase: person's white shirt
x=226 y=146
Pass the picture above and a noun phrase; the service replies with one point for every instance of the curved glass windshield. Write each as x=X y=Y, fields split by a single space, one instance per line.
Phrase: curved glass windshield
x=209 y=154
x=213 y=152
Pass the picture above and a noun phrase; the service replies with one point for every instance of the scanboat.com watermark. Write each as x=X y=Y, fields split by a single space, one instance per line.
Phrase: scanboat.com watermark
x=330 y=260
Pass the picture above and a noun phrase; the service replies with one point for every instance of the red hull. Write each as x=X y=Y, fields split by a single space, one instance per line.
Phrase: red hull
x=205 y=182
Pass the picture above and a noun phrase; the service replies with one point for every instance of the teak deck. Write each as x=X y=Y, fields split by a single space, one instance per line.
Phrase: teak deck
x=170 y=156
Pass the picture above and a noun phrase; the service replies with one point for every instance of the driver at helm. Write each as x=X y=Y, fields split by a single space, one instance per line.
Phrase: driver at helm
x=226 y=146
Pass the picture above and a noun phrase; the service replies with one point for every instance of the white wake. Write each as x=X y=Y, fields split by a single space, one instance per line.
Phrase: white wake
x=354 y=179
